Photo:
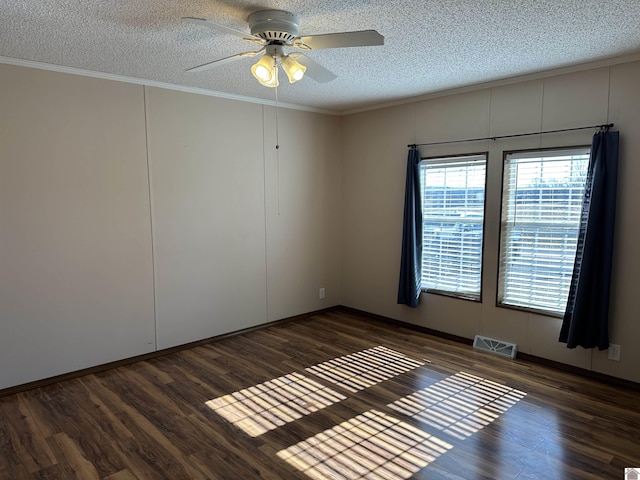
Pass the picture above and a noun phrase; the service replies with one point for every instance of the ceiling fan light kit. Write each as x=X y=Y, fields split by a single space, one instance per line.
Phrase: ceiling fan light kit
x=294 y=69
x=265 y=71
x=276 y=29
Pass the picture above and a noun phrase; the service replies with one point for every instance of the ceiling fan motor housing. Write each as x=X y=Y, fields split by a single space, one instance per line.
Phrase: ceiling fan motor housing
x=274 y=25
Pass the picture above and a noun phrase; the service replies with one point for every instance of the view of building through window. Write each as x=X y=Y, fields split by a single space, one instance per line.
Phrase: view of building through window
x=541 y=205
x=453 y=192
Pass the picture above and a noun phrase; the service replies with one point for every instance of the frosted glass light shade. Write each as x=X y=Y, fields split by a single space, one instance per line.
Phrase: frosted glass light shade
x=265 y=71
x=294 y=69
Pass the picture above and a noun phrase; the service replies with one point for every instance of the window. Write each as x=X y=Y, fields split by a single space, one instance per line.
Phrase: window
x=541 y=204
x=452 y=192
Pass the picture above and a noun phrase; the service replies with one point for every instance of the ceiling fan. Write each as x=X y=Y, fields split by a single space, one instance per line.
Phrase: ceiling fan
x=276 y=29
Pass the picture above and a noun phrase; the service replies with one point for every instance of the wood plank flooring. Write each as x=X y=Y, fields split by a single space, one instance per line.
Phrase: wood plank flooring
x=333 y=396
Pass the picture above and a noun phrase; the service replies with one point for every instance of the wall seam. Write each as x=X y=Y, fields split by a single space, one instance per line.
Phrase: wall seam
x=609 y=96
x=265 y=210
x=152 y=230
x=541 y=113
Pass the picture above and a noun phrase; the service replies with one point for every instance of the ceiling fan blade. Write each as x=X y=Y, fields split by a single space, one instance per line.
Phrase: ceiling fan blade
x=222 y=61
x=221 y=28
x=315 y=71
x=362 y=38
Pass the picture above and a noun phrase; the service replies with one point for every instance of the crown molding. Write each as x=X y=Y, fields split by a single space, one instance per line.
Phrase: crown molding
x=607 y=62
x=152 y=83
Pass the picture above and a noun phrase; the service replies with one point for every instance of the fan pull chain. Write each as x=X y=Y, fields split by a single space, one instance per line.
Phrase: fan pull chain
x=277 y=153
x=277 y=131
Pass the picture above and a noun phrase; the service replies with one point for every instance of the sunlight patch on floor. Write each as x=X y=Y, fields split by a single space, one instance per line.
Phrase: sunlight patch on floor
x=274 y=403
x=459 y=405
x=371 y=446
x=360 y=370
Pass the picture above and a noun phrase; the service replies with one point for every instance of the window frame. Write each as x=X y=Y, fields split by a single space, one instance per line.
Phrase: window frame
x=446 y=293
x=505 y=153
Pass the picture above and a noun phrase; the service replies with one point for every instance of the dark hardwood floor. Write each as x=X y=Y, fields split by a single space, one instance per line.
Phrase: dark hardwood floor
x=333 y=396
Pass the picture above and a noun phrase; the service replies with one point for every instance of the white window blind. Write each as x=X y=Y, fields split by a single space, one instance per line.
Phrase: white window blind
x=541 y=204
x=453 y=191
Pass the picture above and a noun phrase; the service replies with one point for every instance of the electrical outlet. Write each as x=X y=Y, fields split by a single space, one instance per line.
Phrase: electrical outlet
x=321 y=293
x=614 y=352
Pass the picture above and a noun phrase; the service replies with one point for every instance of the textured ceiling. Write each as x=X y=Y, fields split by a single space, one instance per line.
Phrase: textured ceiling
x=430 y=45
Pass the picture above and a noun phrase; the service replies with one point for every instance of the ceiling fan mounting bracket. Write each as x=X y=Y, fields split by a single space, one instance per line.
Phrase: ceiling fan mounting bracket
x=274 y=25
x=274 y=50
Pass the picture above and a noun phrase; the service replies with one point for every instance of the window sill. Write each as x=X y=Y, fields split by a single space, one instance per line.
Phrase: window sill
x=535 y=311
x=459 y=296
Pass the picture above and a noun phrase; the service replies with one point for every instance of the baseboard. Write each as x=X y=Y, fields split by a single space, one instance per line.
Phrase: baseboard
x=601 y=377
x=412 y=326
x=148 y=356
x=608 y=379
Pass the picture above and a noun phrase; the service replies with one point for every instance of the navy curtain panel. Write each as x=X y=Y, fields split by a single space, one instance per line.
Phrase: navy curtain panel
x=410 y=263
x=586 y=322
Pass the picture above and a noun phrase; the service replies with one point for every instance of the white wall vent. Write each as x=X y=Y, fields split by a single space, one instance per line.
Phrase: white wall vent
x=498 y=347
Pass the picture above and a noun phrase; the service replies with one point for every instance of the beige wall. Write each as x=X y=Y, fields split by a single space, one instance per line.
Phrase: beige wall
x=302 y=211
x=76 y=284
x=373 y=169
x=136 y=218
x=207 y=191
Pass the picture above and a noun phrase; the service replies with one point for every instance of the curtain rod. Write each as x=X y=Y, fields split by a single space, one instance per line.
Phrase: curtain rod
x=605 y=126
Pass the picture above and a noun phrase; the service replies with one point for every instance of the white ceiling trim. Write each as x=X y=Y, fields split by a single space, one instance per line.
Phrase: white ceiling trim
x=152 y=83
x=608 y=62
